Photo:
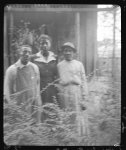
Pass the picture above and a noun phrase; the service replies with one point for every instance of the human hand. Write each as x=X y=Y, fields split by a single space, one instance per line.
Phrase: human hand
x=85 y=97
x=83 y=106
x=63 y=83
x=74 y=82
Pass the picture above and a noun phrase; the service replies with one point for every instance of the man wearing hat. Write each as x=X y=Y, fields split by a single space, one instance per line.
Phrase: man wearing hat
x=22 y=83
x=47 y=62
x=73 y=83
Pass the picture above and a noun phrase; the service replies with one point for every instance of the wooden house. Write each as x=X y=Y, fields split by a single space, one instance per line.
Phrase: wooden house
x=74 y=23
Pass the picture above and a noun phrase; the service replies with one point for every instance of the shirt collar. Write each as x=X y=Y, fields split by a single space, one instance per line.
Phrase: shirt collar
x=20 y=65
x=41 y=58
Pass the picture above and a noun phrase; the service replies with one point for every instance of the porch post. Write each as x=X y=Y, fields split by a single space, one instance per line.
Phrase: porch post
x=6 y=63
x=11 y=52
x=114 y=48
x=77 y=30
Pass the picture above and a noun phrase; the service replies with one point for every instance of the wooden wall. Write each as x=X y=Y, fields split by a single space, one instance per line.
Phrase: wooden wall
x=62 y=28
x=88 y=40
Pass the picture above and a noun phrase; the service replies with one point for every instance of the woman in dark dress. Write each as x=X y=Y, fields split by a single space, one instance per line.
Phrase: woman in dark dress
x=46 y=60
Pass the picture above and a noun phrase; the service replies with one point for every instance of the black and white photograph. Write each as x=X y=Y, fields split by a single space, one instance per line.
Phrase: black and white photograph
x=62 y=75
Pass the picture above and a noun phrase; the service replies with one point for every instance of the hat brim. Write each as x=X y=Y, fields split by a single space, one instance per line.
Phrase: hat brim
x=64 y=46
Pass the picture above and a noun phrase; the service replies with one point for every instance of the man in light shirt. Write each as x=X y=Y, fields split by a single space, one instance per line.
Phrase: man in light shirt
x=22 y=83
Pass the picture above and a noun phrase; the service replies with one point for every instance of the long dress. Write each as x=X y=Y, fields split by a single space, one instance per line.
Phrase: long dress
x=48 y=76
x=71 y=94
x=22 y=86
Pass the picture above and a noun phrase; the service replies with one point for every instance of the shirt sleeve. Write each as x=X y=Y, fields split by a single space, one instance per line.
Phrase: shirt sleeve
x=38 y=80
x=84 y=81
x=56 y=74
x=8 y=83
x=59 y=74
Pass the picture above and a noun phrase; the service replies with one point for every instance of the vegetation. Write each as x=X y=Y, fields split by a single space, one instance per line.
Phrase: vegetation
x=103 y=113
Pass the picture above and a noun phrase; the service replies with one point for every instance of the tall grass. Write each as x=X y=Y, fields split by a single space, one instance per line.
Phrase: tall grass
x=103 y=113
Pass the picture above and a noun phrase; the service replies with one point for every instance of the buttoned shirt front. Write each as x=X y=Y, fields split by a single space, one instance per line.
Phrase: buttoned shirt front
x=10 y=77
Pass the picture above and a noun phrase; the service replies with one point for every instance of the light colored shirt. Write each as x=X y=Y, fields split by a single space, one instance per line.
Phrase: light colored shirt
x=41 y=58
x=10 y=78
x=73 y=71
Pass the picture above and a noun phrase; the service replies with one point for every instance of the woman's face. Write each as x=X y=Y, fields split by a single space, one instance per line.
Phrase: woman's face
x=68 y=53
x=45 y=45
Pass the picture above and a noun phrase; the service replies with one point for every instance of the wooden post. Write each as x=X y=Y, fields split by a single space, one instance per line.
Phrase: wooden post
x=77 y=30
x=11 y=53
x=95 y=46
x=6 y=63
x=91 y=39
x=113 y=57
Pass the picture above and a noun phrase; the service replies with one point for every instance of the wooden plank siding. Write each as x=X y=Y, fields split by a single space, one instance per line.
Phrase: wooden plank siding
x=79 y=27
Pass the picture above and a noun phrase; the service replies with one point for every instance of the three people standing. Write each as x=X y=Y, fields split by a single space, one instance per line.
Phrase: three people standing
x=38 y=78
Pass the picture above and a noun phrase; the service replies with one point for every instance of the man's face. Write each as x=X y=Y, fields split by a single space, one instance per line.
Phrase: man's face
x=45 y=45
x=68 y=53
x=25 y=54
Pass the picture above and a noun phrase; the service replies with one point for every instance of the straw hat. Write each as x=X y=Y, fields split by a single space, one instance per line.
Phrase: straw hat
x=69 y=44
